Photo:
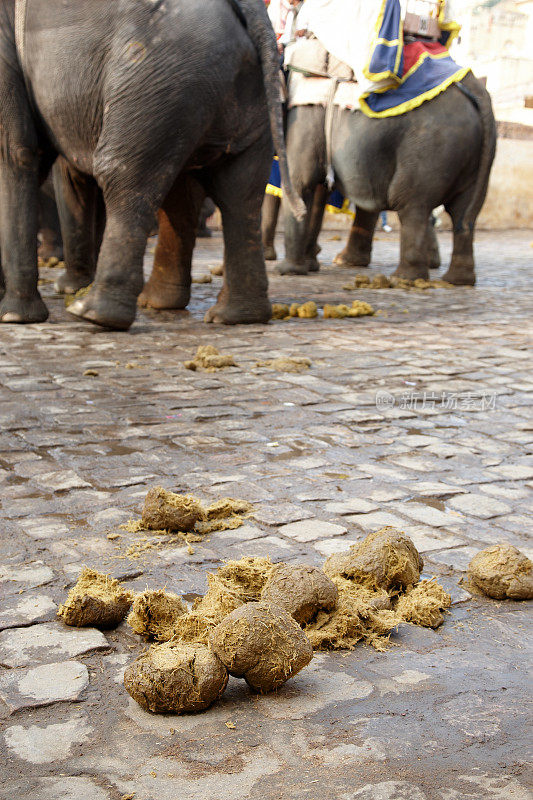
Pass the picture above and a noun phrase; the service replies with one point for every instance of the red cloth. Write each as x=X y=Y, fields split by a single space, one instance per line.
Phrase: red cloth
x=413 y=50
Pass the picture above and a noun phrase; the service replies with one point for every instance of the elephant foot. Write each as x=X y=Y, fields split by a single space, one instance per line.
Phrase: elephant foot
x=23 y=310
x=291 y=268
x=245 y=312
x=313 y=264
x=164 y=296
x=102 y=308
x=411 y=272
x=68 y=283
x=460 y=276
x=269 y=252
x=350 y=259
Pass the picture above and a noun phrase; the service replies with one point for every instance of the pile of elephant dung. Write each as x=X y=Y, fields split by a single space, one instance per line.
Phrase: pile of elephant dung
x=280 y=311
x=357 y=309
x=261 y=643
x=301 y=590
x=423 y=604
x=385 y=559
x=286 y=364
x=166 y=512
x=360 y=615
x=307 y=310
x=95 y=601
x=70 y=298
x=51 y=263
x=153 y=614
x=207 y=277
x=502 y=572
x=176 y=677
x=394 y=282
x=209 y=359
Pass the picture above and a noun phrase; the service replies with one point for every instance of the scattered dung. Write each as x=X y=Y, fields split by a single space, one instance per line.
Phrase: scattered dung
x=423 y=604
x=307 y=310
x=386 y=559
x=286 y=364
x=69 y=298
x=357 y=309
x=166 y=511
x=217 y=269
x=224 y=514
x=280 y=311
x=501 y=572
x=95 y=601
x=51 y=263
x=302 y=591
x=205 y=278
x=176 y=678
x=209 y=359
x=261 y=643
x=361 y=614
x=394 y=282
x=154 y=614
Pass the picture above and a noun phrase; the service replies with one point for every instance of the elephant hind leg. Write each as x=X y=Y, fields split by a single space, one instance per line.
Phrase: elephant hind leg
x=461 y=271
x=358 y=250
x=237 y=187
x=169 y=285
x=413 y=249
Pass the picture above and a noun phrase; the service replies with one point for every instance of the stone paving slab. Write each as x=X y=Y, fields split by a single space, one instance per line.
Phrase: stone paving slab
x=20 y=647
x=43 y=685
x=419 y=417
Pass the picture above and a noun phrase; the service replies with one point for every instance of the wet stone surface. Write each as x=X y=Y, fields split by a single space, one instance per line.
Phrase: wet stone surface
x=419 y=417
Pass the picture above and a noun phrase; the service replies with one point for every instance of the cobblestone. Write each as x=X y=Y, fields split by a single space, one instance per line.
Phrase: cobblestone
x=420 y=420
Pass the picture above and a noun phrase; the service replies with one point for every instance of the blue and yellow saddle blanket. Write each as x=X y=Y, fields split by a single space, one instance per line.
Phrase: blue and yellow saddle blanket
x=337 y=203
x=419 y=70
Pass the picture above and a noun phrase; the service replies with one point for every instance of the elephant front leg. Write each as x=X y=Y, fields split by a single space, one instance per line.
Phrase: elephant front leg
x=169 y=285
x=358 y=251
x=413 y=248
x=77 y=201
x=238 y=190
x=269 y=221
x=21 y=300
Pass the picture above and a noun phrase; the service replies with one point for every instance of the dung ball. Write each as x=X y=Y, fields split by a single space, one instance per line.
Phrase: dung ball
x=261 y=643
x=176 y=678
x=301 y=590
x=166 y=511
x=501 y=572
x=95 y=601
x=386 y=559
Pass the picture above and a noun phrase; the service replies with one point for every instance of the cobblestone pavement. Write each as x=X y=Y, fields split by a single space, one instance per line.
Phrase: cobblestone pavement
x=444 y=454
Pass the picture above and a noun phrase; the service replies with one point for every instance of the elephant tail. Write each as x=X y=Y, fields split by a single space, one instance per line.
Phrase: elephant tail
x=488 y=147
x=262 y=35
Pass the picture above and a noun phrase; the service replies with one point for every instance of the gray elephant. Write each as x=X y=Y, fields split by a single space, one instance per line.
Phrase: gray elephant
x=358 y=250
x=439 y=153
x=144 y=100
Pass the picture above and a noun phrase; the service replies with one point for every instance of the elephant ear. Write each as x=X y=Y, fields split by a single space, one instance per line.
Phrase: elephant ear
x=262 y=35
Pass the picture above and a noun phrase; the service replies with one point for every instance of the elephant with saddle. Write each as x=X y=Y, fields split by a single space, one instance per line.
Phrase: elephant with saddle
x=152 y=104
x=440 y=153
